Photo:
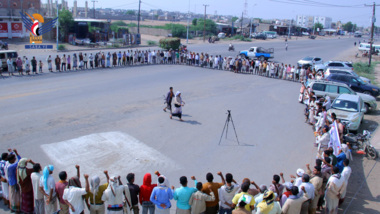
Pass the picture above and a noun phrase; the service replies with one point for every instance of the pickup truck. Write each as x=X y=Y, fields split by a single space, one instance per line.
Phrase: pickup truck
x=258 y=52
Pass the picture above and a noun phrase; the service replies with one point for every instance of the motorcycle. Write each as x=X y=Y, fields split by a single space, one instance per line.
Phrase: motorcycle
x=231 y=48
x=4 y=45
x=360 y=142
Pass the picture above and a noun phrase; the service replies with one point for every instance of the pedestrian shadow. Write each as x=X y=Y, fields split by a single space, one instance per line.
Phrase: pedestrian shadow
x=186 y=115
x=192 y=122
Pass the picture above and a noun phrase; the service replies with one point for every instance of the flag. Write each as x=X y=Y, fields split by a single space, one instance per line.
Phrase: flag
x=334 y=138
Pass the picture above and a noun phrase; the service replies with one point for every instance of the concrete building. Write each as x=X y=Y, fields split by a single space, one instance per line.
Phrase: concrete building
x=325 y=21
x=309 y=21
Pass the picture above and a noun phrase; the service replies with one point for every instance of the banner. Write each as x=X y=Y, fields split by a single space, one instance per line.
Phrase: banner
x=3 y=30
x=334 y=138
x=16 y=29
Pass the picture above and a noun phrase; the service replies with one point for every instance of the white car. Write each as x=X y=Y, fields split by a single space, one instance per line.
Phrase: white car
x=348 y=108
x=309 y=61
x=305 y=34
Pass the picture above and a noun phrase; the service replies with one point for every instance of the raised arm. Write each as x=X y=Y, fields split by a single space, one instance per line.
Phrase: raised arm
x=30 y=161
x=222 y=177
x=282 y=177
x=107 y=176
x=254 y=184
x=87 y=183
x=78 y=170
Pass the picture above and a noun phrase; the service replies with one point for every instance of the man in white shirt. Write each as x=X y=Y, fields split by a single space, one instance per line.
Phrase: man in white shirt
x=226 y=194
x=39 y=204
x=115 y=195
x=346 y=173
x=298 y=180
x=47 y=188
x=73 y=195
x=309 y=188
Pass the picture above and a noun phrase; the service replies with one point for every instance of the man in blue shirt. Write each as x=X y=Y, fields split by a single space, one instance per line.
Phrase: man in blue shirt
x=161 y=197
x=182 y=196
x=14 y=193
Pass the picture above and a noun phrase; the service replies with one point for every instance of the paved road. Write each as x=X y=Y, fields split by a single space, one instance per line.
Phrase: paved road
x=113 y=119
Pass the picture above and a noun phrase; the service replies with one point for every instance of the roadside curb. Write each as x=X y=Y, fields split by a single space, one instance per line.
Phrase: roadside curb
x=94 y=49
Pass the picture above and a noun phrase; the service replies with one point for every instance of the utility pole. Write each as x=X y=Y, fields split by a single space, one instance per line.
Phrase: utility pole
x=188 y=20
x=241 y=24
x=373 y=20
x=93 y=2
x=204 y=23
x=57 y=23
x=138 y=19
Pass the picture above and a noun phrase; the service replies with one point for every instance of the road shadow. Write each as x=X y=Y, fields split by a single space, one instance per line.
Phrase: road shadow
x=192 y=122
x=186 y=115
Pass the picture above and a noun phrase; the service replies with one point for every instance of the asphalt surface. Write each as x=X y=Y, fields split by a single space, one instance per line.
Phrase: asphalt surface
x=79 y=118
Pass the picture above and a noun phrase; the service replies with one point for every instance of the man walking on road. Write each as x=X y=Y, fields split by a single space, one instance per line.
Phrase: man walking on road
x=169 y=98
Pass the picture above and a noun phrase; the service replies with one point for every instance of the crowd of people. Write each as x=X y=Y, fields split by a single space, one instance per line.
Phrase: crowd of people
x=66 y=62
x=27 y=190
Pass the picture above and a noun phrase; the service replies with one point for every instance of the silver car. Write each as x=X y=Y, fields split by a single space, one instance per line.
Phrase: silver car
x=310 y=61
x=323 y=88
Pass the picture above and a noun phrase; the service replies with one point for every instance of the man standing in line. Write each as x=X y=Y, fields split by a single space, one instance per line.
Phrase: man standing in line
x=4 y=182
x=39 y=204
x=310 y=192
x=226 y=194
x=14 y=190
x=47 y=187
x=134 y=191
x=317 y=181
x=169 y=98
x=212 y=207
x=96 y=205
x=63 y=68
x=73 y=195
x=182 y=196
x=161 y=196
x=115 y=195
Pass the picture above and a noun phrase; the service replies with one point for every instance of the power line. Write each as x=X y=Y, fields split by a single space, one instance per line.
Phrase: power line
x=315 y=4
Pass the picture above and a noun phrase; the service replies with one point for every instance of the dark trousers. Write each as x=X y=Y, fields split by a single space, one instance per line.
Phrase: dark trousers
x=212 y=210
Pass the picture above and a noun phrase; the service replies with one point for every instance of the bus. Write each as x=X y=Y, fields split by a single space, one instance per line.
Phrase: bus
x=270 y=34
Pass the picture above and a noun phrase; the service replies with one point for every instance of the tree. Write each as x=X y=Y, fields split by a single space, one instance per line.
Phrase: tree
x=210 y=26
x=66 y=22
x=234 y=18
x=130 y=12
x=194 y=22
x=178 y=30
x=318 y=25
x=349 y=27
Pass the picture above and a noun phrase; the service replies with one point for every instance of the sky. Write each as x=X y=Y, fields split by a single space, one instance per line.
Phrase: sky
x=338 y=10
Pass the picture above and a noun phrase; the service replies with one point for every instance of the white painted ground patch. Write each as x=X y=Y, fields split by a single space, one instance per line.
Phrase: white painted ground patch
x=117 y=152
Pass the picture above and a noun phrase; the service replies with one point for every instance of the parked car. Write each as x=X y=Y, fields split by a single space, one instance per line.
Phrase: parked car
x=221 y=35
x=334 y=89
x=331 y=70
x=334 y=64
x=309 y=61
x=260 y=36
x=305 y=34
x=6 y=54
x=355 y=84
x=348 y=108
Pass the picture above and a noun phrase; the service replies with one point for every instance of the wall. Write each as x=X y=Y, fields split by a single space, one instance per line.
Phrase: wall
x=150 y=31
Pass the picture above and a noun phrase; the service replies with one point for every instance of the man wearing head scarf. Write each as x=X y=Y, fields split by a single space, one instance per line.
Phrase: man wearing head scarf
x=14 y=189
x=161 y=196
x=178 y=103
x=268 y=205
x=317 y=181
x=39 y=204
x=288 y=187
x=346 y=173
x=248 y=198
x=240 y=209
x=115 y=195
x=327 y=103
x=334 y=189
x=47 y=187
x=73 y=195
x=25 y=181
x=145 y=192
x=96 y=205
x=298 y=180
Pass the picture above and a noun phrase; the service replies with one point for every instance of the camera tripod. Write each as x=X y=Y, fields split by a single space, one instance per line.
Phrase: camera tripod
x=229 y=118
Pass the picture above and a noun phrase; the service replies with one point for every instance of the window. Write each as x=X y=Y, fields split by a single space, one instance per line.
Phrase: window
x=319 y=87
x=12 y=55
x=2 y=56
x=344 y=90
x=332 y=89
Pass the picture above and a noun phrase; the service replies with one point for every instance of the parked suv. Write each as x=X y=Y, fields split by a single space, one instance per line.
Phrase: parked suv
x=334 y=64
x=355 y=84
x=262 y=36
x=350 y=72
x=334 y=89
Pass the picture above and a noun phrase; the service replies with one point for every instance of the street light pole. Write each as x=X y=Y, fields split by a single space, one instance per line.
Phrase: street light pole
x=57 y=23
x=204 y=24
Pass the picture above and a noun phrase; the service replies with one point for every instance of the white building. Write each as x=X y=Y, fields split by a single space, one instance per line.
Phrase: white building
x=309 y=21
x=325 y=21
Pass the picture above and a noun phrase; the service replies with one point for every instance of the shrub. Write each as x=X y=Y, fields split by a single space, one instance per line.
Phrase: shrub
x=61 y=47
x=170 y=43
x=152 y=43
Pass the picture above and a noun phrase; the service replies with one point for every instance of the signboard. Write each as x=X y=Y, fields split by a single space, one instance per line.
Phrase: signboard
x=3 y=30
x=16 y=29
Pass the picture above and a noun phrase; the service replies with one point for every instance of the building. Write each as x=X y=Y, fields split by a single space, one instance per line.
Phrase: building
x=325 y=21
x=309 y=21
